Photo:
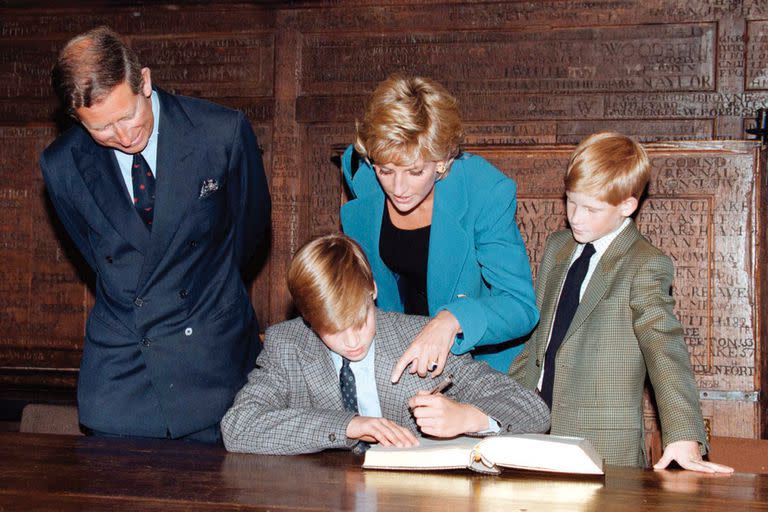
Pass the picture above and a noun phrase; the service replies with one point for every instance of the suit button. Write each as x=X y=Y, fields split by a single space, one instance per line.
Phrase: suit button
x=193 y=243
x=538 y=363
x=332 y=437
x=146 y=342
x=138 y=302
x=183 y=294
x=109 y=259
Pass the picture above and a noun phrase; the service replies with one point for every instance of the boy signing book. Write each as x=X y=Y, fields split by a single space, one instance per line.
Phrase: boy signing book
x=323 y=380
x=607 y=319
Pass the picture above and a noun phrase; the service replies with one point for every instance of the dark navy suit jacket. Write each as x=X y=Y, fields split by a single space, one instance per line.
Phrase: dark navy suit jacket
x=172 y=335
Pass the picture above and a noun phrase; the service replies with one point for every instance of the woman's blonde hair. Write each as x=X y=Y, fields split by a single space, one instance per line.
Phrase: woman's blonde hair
x=331 y=283
x=407 y=118
x=609 y=166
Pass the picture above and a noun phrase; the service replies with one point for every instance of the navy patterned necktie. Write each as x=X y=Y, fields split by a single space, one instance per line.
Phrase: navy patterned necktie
x=143 y=189
x=349 y=398
x=348 y=387
x=566 y=308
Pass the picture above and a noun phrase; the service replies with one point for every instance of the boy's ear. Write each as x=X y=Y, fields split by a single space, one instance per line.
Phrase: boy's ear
x=375 y=291
x=628 y=206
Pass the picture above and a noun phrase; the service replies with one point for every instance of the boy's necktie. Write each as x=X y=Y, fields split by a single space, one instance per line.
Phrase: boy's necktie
x=566 y=308
x=349 y=398
x=143 y=189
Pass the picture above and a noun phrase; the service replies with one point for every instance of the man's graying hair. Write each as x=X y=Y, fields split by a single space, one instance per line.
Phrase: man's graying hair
x=92 y=64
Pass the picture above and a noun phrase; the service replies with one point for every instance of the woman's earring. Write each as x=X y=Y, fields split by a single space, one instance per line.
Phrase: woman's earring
x=440 y=168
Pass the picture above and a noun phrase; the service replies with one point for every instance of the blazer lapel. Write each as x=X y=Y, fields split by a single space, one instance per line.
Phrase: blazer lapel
x=448 y=242
x=101 y=174
x=552 y=293
x=317 y=366
x=602 y=277
x=178 y=183
x=392 y=397
x=365 y=216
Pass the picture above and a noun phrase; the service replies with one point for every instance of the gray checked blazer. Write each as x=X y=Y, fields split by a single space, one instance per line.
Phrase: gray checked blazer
x=292 y=402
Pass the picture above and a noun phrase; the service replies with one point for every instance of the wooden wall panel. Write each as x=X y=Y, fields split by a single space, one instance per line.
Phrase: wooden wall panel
x=525 y=73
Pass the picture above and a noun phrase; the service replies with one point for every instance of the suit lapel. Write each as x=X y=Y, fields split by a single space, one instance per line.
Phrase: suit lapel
x=389 y=348
x=365 y=215
x=179 y=161
x=448 y=243
x=317 y=366
x=602 y=277
x=552 y=293
x=101 y=174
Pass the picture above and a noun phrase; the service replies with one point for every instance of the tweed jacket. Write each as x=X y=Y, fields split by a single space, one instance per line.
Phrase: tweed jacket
x=477 y=266
x=292 y=402
x=623 y=329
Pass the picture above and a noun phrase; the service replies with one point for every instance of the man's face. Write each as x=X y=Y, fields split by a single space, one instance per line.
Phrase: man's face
x=353 y=343
x=123 y=120
x=591 y=218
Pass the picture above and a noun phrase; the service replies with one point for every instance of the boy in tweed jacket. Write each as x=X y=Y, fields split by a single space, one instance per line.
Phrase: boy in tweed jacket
x=623 y=327
x=293 y=403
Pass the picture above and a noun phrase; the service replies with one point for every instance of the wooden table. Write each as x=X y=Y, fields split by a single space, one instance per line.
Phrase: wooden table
x=55 y=473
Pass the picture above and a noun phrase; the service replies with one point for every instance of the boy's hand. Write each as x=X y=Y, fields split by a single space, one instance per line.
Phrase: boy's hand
x=380 y=430
x=439 y=416
x=687 y=454
x=429 y=350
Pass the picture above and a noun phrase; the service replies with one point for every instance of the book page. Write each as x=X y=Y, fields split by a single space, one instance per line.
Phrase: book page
x=430 y=454
x=542 y=452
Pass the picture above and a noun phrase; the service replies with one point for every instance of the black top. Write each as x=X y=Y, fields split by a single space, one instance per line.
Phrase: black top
x=406 y=252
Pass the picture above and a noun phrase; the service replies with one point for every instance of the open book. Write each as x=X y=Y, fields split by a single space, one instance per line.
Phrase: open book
x=536 y=452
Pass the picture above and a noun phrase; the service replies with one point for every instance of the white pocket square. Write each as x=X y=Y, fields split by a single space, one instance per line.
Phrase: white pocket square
x=208 y=187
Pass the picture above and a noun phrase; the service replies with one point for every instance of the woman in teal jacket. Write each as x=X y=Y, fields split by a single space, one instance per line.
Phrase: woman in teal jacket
x=438 y=227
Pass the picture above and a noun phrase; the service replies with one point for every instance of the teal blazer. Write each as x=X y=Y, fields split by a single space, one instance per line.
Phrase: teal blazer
x=477 y=266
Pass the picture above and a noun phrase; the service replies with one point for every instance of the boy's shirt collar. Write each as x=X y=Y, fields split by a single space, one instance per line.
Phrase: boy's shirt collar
x=368 y=401
x=602 y=244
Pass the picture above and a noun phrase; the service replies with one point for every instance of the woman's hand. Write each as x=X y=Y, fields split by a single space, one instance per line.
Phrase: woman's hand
x=429 y=350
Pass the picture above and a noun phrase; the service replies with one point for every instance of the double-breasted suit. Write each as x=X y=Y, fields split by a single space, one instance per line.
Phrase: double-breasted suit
x=624 y=329
x=172 y=334
x=292 y=402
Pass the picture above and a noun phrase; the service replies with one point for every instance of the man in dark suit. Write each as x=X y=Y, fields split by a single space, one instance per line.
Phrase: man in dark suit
x=166 y=198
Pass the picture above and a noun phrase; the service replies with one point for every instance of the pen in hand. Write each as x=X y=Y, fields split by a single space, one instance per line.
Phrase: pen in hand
x=443 y=385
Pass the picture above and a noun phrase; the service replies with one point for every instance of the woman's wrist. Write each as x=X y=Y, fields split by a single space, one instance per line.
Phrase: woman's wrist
x=446 y=318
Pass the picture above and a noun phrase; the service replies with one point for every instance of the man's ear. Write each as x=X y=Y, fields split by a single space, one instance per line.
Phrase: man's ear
x=146 y=82
x=628 y=206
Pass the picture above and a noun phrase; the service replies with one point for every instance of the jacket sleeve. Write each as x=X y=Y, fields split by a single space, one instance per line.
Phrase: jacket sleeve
x=518 y=410
x=509 y=312
x=265 y=418
x=660 y=337
x=250 y=199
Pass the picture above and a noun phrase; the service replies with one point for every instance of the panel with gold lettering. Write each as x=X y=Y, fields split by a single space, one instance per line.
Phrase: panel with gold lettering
x=650 y=58
x=45 y=301
x=210 y=66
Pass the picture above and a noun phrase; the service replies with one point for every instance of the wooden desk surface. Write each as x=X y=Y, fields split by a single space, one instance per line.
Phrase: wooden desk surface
x=48 y=472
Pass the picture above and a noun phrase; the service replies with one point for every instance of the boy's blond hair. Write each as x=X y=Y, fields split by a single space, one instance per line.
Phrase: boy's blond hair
x=609 y=166
x=331 y=284
x=407 y=118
